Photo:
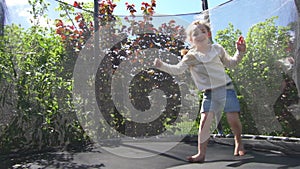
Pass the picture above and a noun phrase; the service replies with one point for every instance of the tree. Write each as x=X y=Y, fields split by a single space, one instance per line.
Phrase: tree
x=135 y=36
x=37 y=74
x=35 y=91
x=258 y=77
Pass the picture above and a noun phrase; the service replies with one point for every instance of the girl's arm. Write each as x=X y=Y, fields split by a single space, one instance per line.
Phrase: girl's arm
x=177 y=69
x=229 y=61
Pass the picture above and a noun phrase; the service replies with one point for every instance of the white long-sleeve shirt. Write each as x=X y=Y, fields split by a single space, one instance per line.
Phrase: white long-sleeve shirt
x=207 y=70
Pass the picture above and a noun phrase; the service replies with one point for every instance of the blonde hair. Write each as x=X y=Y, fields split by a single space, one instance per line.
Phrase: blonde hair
x=193 y=25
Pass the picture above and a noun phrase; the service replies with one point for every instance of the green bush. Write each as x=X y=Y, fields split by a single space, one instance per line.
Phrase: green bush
x=259 y=76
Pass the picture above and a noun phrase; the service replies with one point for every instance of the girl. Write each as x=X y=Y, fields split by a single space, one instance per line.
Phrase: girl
x=206 y=63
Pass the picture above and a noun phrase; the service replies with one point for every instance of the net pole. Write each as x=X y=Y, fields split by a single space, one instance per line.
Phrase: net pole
x=297 y=51
x=3 y=10
x=205 y=12
x=204 y=5
x=96 y=32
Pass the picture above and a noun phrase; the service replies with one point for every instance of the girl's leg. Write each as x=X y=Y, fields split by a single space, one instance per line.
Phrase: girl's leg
x=236 y=127
x=203 y=137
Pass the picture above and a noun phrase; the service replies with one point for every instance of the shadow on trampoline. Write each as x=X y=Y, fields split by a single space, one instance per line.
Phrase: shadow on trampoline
x=44 y=160
x=218 y=155
x=270 y=159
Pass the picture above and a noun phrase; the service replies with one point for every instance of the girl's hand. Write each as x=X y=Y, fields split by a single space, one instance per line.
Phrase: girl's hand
x=241 y=44
x=157 y=62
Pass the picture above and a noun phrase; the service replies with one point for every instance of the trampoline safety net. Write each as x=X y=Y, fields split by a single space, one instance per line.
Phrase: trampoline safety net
x=98 y=82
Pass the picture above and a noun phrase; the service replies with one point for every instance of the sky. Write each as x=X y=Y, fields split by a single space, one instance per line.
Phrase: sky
x=244 y=14
x=19 y=9
x=241 y=13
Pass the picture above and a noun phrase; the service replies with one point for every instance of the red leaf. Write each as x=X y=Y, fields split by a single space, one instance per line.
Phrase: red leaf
x=59 y=23
x=77 y=17
x=241 y=40
x=81 y=24
x=75 y=4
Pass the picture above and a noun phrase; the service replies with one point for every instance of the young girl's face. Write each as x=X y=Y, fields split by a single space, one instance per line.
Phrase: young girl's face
x=199 y=34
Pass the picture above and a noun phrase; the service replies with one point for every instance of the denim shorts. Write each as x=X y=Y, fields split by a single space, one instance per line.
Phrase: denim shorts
x=220 y=100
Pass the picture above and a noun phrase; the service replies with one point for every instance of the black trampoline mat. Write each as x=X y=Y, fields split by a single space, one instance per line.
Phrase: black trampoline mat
x=219 y=156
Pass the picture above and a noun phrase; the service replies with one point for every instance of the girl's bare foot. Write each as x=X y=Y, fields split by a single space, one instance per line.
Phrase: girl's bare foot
x=197 y=158
x=239 y=150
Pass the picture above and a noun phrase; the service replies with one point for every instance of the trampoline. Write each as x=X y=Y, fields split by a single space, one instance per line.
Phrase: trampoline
x=219 y=156
x=138 y=132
